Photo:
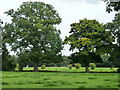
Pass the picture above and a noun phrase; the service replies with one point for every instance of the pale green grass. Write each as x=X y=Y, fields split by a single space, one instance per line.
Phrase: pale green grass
x=59 y=80
x=66 y=69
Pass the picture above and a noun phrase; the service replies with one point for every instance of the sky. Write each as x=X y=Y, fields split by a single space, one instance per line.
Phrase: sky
x=70 y=11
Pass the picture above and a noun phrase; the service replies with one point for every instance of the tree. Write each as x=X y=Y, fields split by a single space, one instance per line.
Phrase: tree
x=87 y=37
x=32 y=29
x=112 y=5
x=114 y=27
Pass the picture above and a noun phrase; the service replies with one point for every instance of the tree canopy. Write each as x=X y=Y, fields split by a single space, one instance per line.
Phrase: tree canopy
x=32 y=29
x=87 y=37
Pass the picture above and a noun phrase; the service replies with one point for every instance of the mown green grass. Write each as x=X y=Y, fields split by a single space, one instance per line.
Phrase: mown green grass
x=59 y=80
x=82 y=69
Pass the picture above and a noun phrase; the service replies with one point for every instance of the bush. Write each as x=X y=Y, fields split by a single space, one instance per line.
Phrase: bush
x=77 y=65
x=17 y=66
x=70 y=66
x=43 y=67
x=92 y=65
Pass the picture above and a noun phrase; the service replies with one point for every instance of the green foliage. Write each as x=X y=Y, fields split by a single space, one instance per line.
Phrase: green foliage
x=85 y=36
x=116 y=61
x=77 y=65
x=92 y=65
x=32 y=29
x=23 y=60
x=114 y=27
x=86 y=59
x=112 y=5
x=70 y=66
x=66 y=61
x=43 y=67
x=8 y=62
x=88 y=37
x=105 y=57
x=105 y=63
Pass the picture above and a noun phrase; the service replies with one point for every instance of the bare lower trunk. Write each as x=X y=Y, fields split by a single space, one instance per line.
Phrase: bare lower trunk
x=35 y=66
x=86 y=68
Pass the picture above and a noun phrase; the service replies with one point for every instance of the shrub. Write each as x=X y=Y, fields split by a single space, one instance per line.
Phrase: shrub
x=70 y=66
x=92 y=65
x=43 y=67
x=17 y=66
x=77 y=65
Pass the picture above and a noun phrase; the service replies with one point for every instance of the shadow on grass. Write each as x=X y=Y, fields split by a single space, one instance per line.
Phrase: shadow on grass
x=80 y=82
x=107 y=79
x=4 y=83
x=50 y=84
x=92 y=78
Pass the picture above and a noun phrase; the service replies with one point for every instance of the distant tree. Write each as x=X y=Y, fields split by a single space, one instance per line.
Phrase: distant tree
x=32 y=29
x=87 y=37
x=66 y=61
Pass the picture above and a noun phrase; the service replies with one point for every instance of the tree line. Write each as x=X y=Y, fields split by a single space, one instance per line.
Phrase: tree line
x=33 y=36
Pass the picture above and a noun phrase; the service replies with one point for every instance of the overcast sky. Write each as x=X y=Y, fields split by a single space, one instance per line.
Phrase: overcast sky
x=69 y=10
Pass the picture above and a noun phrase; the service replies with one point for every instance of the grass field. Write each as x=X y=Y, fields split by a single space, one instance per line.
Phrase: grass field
x=60 y=80
x=82 y=69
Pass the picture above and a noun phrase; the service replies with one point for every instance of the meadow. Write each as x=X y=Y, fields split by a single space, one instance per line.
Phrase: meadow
x=59 y=79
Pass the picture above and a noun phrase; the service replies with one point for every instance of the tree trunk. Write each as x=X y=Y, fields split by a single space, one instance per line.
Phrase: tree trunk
x=86 y=68
x=35 y=66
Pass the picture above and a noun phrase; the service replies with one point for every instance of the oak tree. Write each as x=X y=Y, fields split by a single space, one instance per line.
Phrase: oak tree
x=32 y=29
